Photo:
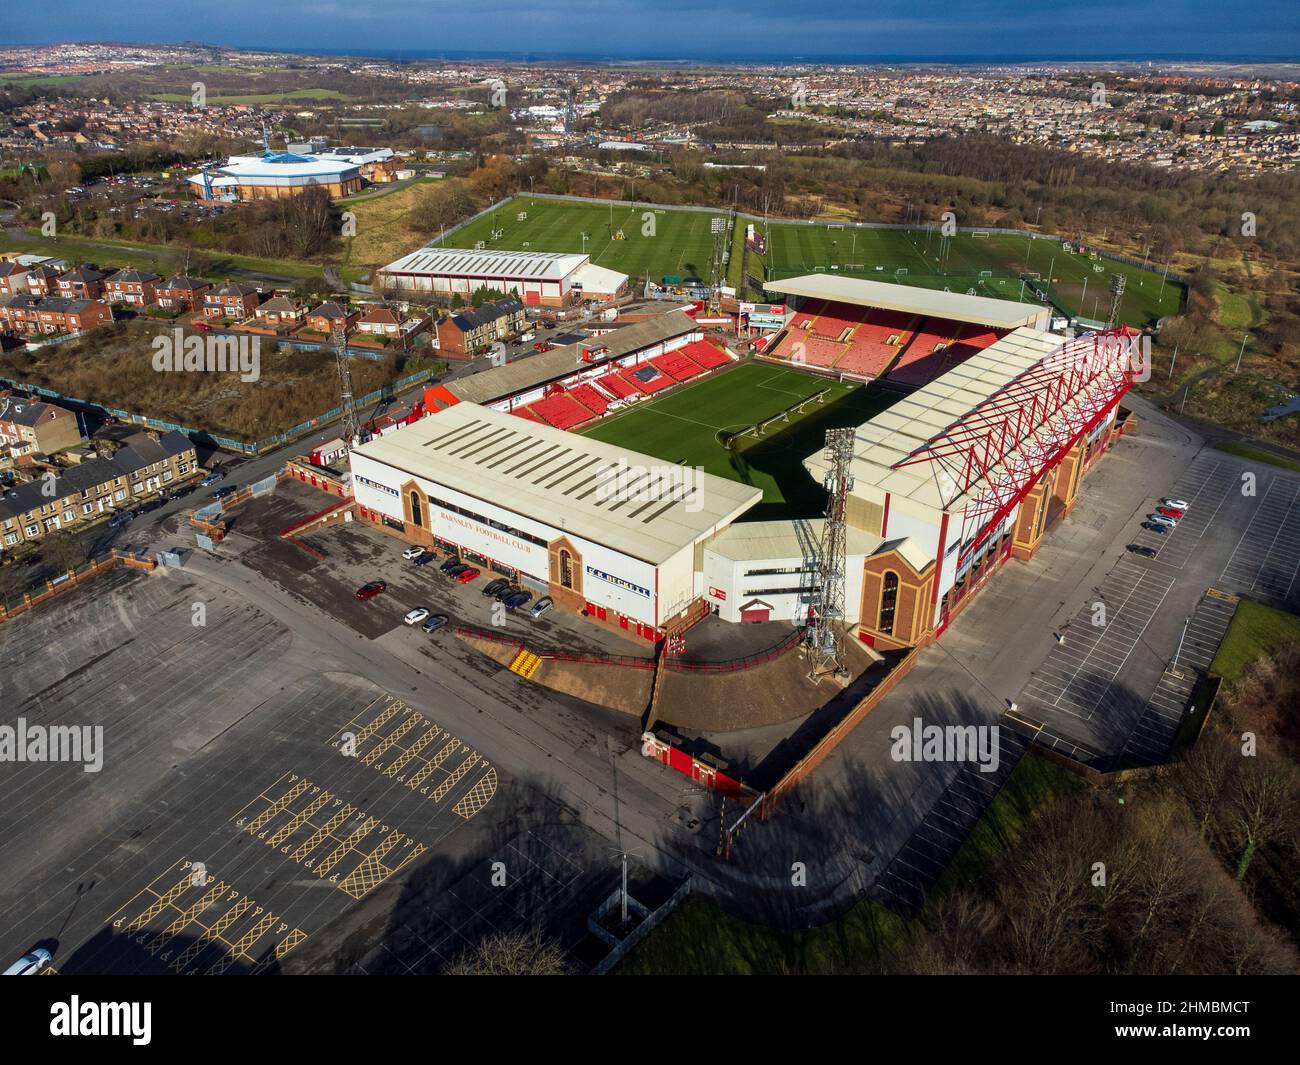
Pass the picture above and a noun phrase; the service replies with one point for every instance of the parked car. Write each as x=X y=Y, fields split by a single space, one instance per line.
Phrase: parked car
x=519 y=599
x=466 y=575
x=492 y=587
x=424 y=558
x=449 y=564
x=1151 y=526
x=1139 y=549
x=1169 y=512
x=221 y=493
x=371 y=589
x=455 y=570
x=412 y=552
x=214 y=477
x=502 y=594
x=435 y=623
x=183 y=491
x=1177 y=504
x=31 y=963
x=414 y=617
x=120 y=518
x=541 y=607
x=1160 y=519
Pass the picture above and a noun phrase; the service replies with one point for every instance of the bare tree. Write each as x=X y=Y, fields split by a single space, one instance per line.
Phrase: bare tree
x=512 y=954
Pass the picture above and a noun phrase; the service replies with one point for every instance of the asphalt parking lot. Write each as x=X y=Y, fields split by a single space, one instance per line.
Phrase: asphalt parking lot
x=250 y=798
x=1114 y=693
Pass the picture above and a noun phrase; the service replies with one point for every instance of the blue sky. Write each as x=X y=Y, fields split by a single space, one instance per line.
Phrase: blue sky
x=687 y=28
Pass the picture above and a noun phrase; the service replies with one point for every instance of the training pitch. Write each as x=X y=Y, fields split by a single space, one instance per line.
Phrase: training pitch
x=656 y=242
x=1015 y=267
x=691 y=426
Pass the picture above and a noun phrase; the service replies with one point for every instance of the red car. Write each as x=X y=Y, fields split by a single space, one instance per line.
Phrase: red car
x=467 y=575
x=1170 y=512
x=369 y=591
x=201 y=326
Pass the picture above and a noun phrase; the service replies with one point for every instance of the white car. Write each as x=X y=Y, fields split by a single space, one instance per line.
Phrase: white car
x=1177 y=504
x=414 y=617
x=1160 y=519
x=412 y=552
x=30 y=964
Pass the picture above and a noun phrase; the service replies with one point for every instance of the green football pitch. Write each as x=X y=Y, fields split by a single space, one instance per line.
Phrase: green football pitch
x=960 y=263
x=689 y=426
x=661 y=241
x=656 y=241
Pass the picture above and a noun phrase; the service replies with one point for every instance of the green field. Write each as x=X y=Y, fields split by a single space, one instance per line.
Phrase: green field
x=689 y=425
x=1079 y=284
x=289 y=96
x=680 y=242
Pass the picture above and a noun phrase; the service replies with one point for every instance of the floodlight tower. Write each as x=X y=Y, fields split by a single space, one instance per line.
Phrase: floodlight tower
x=718 y=227
x=1117 y=283
x=823 y=640
x=346 y=402
x=568 y=109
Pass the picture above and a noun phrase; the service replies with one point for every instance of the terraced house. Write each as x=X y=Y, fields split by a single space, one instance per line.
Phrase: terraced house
x=29 y=427
x=36 y=315
x=145 y=464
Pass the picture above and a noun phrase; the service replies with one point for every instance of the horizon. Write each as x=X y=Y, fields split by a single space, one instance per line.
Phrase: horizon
x=889 y=31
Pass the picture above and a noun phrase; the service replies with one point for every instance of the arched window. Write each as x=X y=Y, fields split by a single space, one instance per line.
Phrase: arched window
x=417 y=513
x=566 y=569
x=888 y=601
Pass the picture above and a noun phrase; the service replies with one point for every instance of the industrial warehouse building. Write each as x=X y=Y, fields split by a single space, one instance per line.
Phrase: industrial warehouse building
x=539 y=279
x=599 y=528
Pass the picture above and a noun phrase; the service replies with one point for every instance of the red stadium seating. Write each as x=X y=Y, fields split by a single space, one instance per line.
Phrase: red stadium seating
x=590 y=397
x=705 y=354
x=614 y=384
x=677 y=366
x=561 y=410
x=527 y=415
x=646 y=383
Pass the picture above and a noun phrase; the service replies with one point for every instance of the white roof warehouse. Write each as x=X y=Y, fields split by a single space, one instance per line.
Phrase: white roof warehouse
x=599 y=526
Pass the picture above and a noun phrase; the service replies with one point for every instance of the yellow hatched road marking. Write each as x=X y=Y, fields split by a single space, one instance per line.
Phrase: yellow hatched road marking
x=389 y=712
x=404 y=759
x=336 y=855
x=241 y=948
x=381 y=748
x=161 y=903
x=478 y=796
x=172 y=930
x=296 y=821
x=212 y=936
x=440 y=792
x=260 y=821
x=291 y=940
x=315 y=839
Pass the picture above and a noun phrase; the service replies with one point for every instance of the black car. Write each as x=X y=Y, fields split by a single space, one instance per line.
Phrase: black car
x=1151 y=526
x=502 y=594
x=492 y=587
x=456 y=570
x=181 y=493
x=1144 y=551
x=228 y=490
x=449 y=564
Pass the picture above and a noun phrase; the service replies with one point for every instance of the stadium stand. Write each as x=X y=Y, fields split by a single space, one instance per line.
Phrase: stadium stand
x=702 y=353
x=938 y=346
x=590 y=397
x=646 y=378
x=561 y=410
x=527 y=415
x=677 y=366
x=614 y=384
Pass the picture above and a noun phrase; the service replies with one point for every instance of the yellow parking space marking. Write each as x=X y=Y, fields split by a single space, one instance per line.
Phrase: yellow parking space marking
x=455 y=777
x=200 y=914
x=351 y=849
x=1227 y=597
x=387 y=739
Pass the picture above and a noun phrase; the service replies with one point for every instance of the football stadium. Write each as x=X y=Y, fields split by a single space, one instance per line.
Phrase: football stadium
x=638 y=477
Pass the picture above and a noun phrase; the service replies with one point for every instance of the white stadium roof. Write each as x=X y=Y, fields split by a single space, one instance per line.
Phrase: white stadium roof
x=601 y=279
x=641 y=506
x=514 y=265
x=283 y=164
x=898 y=433
x=979 y=310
